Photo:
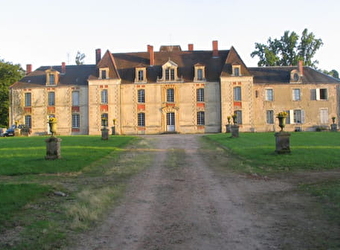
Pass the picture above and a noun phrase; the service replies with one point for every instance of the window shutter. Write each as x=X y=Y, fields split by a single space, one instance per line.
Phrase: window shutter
x=291 y=115
x=317 y=94
x=302 y=116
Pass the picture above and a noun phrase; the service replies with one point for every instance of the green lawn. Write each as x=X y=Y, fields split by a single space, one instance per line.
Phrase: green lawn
x=28 y=183
x=22 y=155
x=309 y=151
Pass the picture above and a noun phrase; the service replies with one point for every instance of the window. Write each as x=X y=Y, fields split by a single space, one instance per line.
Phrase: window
x=324 y=116
x=296 y=95
x=296 y=116
x=141 y=119
x=169 y=74
x=270 y=116
x=28 y=121
x=51 y=98
x=238 y=114
x=319 y=94
x=105 y=119
x=199 y=74
x=170 y=95
x=269 y=95
x=236 y=70
x=104 y=74
x=75 y=120
x=141 y=96
x=28 y=100
x=52 y=79
x=104 y=98
x=200 y=118
x=237 y=94
x=200 y=95
x=75 y=98
x=140 y=75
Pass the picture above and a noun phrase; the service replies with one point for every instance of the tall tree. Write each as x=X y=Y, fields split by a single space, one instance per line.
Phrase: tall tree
x=288 y=50
x=80 y=58
x=9 y=74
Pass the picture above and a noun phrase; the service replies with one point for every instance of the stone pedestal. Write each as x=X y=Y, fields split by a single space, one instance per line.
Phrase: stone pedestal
x=282 y=142
x=228 y=128
x=53 y=150
x=334 y=127
x=105 y=134
x=234 y=131
x=17 y=132
x=113 y=130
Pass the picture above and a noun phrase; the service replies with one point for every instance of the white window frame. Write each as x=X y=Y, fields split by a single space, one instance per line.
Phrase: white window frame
x=170 y=95
x=51 y=98
x=296 y=94
x=200 y=95
x=104 y=96
x=141 y=95
x=270 y=116
x=236 y=70
x=269 y=95
x=296 y=116
x=237 y=93
x=324 y=116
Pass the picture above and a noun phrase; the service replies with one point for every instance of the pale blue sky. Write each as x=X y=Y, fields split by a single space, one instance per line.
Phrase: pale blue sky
x=44 y=32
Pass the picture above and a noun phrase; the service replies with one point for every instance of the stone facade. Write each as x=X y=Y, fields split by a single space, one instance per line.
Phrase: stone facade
x=172 y=91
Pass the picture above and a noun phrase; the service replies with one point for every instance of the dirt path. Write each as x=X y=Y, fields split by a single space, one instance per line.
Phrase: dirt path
x=186 y=200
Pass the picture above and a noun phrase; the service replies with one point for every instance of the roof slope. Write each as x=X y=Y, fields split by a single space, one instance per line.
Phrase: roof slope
x=281 y=75
x=75 y=75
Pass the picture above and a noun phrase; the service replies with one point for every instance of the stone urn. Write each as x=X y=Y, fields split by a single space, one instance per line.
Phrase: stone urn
x=282 y=122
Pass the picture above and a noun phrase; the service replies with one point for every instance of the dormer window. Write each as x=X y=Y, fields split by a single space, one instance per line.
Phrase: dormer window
x=104 y=73
x=295 y=76
x=169 y=71
x=199 y=72
x=140 y=74
x=236 y=70
x=52 y=77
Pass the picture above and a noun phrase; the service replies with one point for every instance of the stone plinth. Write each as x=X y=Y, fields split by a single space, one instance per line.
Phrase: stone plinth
x=334 y=127
x=53 y=150
x=105 y=134
x=234 y=131
x=282 y=142
x=228 y=128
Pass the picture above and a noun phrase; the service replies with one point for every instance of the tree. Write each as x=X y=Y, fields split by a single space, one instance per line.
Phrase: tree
x=9 y=74
x=288 y=50
x=80 y=58
x=333 y=73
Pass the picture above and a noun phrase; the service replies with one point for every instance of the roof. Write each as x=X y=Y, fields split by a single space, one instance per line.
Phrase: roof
x=186 y=60
x=75 y=75
x=281 y=75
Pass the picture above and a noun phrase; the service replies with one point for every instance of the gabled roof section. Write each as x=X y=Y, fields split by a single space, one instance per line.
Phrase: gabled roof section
x=108 y=61
x=74 y=75
x=281 y=75
x=234 y=58
x=170 y=63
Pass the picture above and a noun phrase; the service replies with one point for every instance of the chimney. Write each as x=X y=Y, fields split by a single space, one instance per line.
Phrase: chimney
x=215 y=48
x=98 y=55
x=63 y=67
x=300 y=65
x=28 y=68
x=151 y=55
x=190 y=47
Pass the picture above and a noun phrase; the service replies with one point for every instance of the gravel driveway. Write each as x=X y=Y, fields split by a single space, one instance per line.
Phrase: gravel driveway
x=188 y=199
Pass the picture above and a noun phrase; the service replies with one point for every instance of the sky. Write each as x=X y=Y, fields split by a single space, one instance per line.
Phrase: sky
x=47 y=33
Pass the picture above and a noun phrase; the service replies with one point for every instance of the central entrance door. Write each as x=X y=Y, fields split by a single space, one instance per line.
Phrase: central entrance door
x=170 y=122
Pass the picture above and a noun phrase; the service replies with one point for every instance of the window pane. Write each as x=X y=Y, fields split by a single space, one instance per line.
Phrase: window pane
x=104 y=96
x=28 y=99
x=238 y=114
x=28 y=121
x=52 y=79
x=270 y=116
x=141 y=119
x=323 y=94
x=140 y=75
x=296 y=94
x=200 y=95
x=237 y=94
x=75 y=120
x=75 y=98
x=141 y=96
x=51 y=98
x=170 y=95
x=200 y=118
x=269 y=95
x=199 y=74
x=297 y=116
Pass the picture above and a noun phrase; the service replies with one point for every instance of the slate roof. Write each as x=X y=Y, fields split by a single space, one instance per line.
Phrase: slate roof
x=281 y=75
x=75 y=75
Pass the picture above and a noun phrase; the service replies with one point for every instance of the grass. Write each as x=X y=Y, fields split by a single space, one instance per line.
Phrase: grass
x=309 y=151
x=92 y=174
x=312 y=151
